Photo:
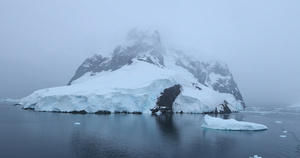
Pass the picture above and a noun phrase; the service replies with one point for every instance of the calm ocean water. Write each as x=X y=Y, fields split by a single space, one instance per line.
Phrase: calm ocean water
x=40 y=134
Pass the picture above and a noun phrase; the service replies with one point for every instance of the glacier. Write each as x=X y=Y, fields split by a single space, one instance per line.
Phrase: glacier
x=134 y=75
x=231 y=124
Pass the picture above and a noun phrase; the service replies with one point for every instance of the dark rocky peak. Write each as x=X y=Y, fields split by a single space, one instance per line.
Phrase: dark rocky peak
x=141 y=45
x=144 y=45
x=89 y=65
x=219 y=68
x=214 y=74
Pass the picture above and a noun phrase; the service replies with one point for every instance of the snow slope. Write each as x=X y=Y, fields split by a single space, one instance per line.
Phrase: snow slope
x=131 y=79
x=231 y=124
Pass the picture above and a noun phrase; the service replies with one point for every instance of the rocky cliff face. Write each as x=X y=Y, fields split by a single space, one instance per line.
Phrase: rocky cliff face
x=141 y=46
x=211 y=74
x=146 y=46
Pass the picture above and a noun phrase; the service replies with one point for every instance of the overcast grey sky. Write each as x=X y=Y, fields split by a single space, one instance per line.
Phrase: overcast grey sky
x=42 y=43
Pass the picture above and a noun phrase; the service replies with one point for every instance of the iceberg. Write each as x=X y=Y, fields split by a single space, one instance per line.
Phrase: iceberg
x=282 y=136
x=255 y=156
x=231 y=124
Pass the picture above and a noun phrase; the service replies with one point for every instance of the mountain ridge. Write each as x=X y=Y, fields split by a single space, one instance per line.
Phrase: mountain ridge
x=214 y=74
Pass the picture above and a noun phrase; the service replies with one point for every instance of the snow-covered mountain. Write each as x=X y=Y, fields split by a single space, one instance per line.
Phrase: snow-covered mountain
x=139 y=75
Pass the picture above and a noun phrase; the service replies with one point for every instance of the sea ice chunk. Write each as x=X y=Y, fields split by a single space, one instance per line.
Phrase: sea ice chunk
x=76 y=123
x=255 y=156
x=282 y=136
x=231 y=124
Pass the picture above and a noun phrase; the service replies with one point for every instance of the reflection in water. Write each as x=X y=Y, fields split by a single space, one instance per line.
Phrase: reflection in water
x=298 y=143
x=295 y=138
x=91 y=146
x=229 y=116
x=221 y=143
x=298 y=150
x=167 y=127
x=223 y=116
x=55 y=135
x=116 y=136
x=165 y=135
x=85 y=144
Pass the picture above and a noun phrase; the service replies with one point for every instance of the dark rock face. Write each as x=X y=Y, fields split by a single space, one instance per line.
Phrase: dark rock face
x=203 y=71
x=78 y=112
x=225 y=110
x=147 y=48
x=89 y=65
x=105 y=112
x=28 y=108
x=196 y=86
x=137 y=112
x=167 y=98
x=127 y=112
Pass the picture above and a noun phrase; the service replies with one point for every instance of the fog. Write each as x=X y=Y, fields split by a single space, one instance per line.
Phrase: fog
x=42 y=43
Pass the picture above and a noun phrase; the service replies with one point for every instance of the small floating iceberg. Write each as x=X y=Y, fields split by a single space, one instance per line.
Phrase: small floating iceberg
x=282 y=136
x=255 y=156
x=76 y=123
x=231 y=124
